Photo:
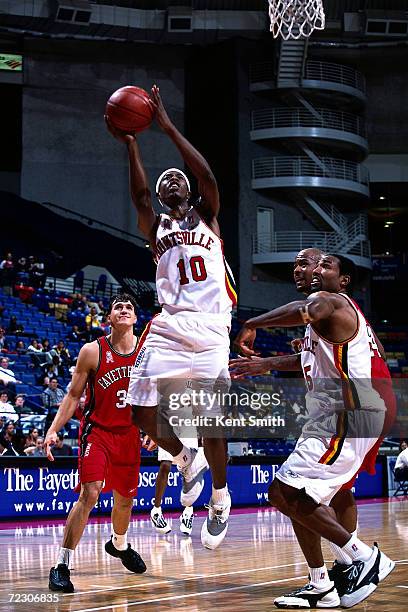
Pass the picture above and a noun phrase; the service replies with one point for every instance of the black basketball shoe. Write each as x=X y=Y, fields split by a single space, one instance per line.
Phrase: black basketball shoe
x=361 y=579
x=129 y=557
x=309 y=597
x=60 y=579
x=338 y=575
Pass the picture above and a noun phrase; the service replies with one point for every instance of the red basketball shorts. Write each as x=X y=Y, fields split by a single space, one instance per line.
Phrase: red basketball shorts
x=111 y=457
x=384 y=388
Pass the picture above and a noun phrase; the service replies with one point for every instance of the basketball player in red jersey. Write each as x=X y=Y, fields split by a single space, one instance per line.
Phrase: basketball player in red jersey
x=109 y=442
x=343 y=502
x=189 y=339
x=338 y=346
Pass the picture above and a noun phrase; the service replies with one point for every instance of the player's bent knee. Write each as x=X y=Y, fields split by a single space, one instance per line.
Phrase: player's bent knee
x=274 y=494
x=89 y=494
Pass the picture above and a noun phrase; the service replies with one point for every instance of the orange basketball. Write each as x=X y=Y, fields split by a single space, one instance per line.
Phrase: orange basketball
x=128 y=109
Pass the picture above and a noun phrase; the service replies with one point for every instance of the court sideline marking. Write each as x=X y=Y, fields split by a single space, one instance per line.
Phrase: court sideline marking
x=104 y=588
x=174 y=597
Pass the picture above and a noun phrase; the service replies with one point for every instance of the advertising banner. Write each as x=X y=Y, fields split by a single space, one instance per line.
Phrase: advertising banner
x=48 y=491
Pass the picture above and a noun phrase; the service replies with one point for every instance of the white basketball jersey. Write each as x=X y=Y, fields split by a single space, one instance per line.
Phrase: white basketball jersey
x=192 y=274
x=325 y=365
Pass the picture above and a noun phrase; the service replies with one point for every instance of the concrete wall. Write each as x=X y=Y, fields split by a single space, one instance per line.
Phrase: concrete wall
x=259 y=286
x=69 y=158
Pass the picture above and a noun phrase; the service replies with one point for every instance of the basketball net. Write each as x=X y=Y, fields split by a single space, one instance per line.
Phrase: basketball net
x=293 y=19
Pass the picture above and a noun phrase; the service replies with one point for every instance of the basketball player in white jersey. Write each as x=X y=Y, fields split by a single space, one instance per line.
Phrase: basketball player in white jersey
x=337 y=347
x=189 y=339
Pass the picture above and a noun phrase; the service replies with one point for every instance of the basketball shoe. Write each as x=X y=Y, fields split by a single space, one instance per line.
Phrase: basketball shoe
x=158 y=521
x=59 y=579
x=214 y=529
x=193 y=477
x=186 y=520
x=129 y=557
x=309 y=596
x=361 y=579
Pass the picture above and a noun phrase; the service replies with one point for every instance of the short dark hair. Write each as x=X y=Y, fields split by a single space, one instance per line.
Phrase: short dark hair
x=122 y=297
x=53 y=378
x=346 y=267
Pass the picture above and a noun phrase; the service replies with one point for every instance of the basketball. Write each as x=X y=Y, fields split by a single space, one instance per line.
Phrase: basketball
x=128 y=109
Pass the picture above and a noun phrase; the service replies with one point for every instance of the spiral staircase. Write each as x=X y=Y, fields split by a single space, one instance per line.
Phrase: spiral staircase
x=313 y=115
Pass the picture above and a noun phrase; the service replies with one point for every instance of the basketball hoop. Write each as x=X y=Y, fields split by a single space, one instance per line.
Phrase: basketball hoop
x=294 y=19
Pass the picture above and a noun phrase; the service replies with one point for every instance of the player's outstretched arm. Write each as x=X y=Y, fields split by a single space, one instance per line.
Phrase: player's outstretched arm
x=256 y=366
x=139 y=185
x=87 y=362
x=207 y=184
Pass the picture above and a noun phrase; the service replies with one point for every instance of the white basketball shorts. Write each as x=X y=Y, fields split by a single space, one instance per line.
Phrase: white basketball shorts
x=178 y=352
x=321 y=466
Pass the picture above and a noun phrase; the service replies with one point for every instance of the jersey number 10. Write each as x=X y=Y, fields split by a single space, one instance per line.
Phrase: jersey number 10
x=197 y=266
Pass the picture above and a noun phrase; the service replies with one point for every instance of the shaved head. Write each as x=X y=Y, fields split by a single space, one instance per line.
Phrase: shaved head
x=305 y=262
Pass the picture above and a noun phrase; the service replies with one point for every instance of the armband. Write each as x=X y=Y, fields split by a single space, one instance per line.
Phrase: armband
x=304 y=313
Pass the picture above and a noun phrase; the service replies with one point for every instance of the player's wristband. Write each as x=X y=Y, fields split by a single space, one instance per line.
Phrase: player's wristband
x=304 y=313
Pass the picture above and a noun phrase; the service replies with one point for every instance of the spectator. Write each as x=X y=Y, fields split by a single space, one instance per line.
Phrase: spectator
x=14 y=327
x=36 y=353
x=3 y=342
x=52 y=398
x=8 y=379
x=401 y=464
x=8 y=439
x=31 y=438
x=37 y=450
x=19 y=405
x=46 y=348
x=7 y=274
x=20 y=347
x=63 y=353
x=7 y=411
x=54 y=369
x=37 y=273
x=93 y=318
x=60 y=449
x=74 y=335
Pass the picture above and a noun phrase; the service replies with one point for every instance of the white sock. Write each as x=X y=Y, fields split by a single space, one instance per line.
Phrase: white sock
x=119 y=541
x=220 y=496
x=319 y=577
x=184 y=458
x=339 y=554
x=64 y=556
x=188 y=510
x=357 y=550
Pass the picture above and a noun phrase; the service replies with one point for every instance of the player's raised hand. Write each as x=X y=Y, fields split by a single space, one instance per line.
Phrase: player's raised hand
x=50 y=440
x=296 y=345
x=161 y=115
x=244 y=342
x=148 y=443
x=118 y=134
x=248 y=366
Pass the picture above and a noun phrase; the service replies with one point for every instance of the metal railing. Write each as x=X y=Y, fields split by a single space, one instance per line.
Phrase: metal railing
x=291 y=166
x=314 y=71
x=335 y=73
x=334 y=214
x=330 y=242
x=272 y=118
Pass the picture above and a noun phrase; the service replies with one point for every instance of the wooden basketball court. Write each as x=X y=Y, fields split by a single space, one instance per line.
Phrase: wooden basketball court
x=258 y=561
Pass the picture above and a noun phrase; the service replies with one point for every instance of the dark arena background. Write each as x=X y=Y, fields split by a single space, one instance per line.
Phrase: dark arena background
x=308 y=141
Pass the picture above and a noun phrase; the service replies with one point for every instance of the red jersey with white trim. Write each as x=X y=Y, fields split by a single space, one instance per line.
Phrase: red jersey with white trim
x=106 y=391
x=192 y=274
x=355 y=362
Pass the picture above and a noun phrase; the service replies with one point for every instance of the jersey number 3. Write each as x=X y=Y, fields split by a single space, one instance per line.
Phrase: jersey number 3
x=198 y=271
x=121 y=395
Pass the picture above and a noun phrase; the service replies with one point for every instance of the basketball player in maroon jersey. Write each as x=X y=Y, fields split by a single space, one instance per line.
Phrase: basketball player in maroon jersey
x=338 y=345
x=188 y=341
x=109 y=442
